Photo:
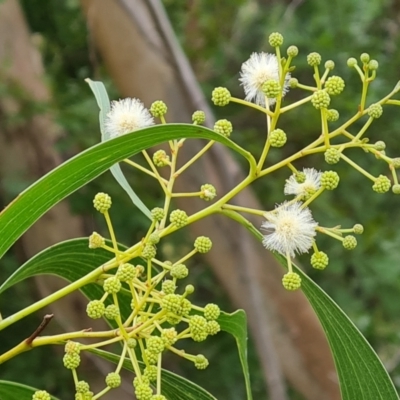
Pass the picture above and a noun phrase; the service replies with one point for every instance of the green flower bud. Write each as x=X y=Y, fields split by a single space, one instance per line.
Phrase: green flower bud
x=95 y=309
x=332 y=115
x=293 y=83
x=314 y=59
x=102 y=202
x=373 y=65
x=199 y=117
x=329 y=65
x=213 y=328
x=150 y=373
x=211 y=311
x=160 y=159
x=320 y=99
x=113 y=380
x=351 y=62
x=334 y=85
x=208 y=192
x=179 y=218
x=111 y=312
x=143 y=392
x=169 y=336
x=189 y=289
x=200 y=362
x=157 y=214
x=277 y=138
x=154 y=238
x=375 y=110
x=221 y=96
x=82 y=387
x=291 y=281
x=396 y=188
x=382 y=184
x=396 y=162
x=203 y=244
x=319 y=260
x=112 y=285
x=168 y=287
x=364 y=58
x=138 y=381
x=173 y=319
x=41 y=395
x=275 y=39
x=158 y=108
x=198 y=328
x=96 y=241
x=292 y=51
x=126 y=272
x=332 y=155
x=72 y=347
x=329 y=180
x=223 y=127
x=300 y=177
x=358 y=229
x=172 y=303
x=271 y=88
x=179 y=271
x=380 y=145
x=149 y=252
x=151 y=358
x=71 y=361
x=131 y=343
x=155 y=345
x=349 y=242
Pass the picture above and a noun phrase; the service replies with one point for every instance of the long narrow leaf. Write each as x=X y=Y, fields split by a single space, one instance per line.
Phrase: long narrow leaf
x=15 y=391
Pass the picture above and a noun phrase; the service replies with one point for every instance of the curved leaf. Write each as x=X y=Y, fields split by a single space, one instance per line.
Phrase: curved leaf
x=32 y=203
x=15 y=391
x=103 y=102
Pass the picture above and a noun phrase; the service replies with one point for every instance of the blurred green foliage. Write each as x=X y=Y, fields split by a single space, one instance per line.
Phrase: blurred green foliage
x=217 y=38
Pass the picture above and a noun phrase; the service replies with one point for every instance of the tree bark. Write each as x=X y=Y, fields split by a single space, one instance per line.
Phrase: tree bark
x=141 y=53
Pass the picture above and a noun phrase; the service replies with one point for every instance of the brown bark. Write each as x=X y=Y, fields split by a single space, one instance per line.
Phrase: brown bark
x=140 y=51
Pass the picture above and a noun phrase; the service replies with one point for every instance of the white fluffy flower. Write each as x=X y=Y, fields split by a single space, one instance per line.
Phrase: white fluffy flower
x=126 y=116
x=289 y=229
x=259 y=68
x=310 y=185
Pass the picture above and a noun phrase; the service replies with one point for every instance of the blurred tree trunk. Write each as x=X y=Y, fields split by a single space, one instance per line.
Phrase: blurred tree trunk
x=139 y=48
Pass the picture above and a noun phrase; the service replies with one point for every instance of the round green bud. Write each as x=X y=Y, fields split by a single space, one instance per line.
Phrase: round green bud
x=314 y=59
x=396 y=162
x=277 y=138
x=200 y=362
x=223 y=127
x=334 y=85
x=179 y=218
x=131 y=343
x=95 y=309
x=211 y=312
x=158 y=397
x=300 y=177
x=172 y=303
x=213 y=328
x=82 y=387
x=158 y=108
x=126 y=272
x=275 y=39
x=332 y=115
x=293 y=83
x=320 y=99
x=173 y=319
x=319 y=260
x=375 y=110
x=72 y=347
x=396 y=188
x=96 y=241
x=157 y=214
x=113 y=380
x=160 y=159
x=292 y=51
x=382 y=184
x=332 y=155
x=143 y=392
x=102 y=202
x=154 y=238
x=380 y=145
x=149 y=251
x=151 y=358
x=373 y=65
x=291 y=281
x=199 y=117
x=364 y=58
x=112 y=285
x=150 y=373
x=203 y=244
x=71 y=361
x=186 y=305
x=349 y=242
x=208 y=192
x=271 y=88
x=329 y=65
x=198 y=328
x=137 y=381
x=111 y=312
x=168 y=287
x=358 y=229
x=189 y=289
x=221 y=96
x=41 y=395
x=169 y=336
x=329 y=180
x=155 y=345
x=179 y=271
x=351 y=62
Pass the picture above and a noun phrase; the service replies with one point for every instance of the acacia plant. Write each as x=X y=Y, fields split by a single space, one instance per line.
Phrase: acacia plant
x=143 y=297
